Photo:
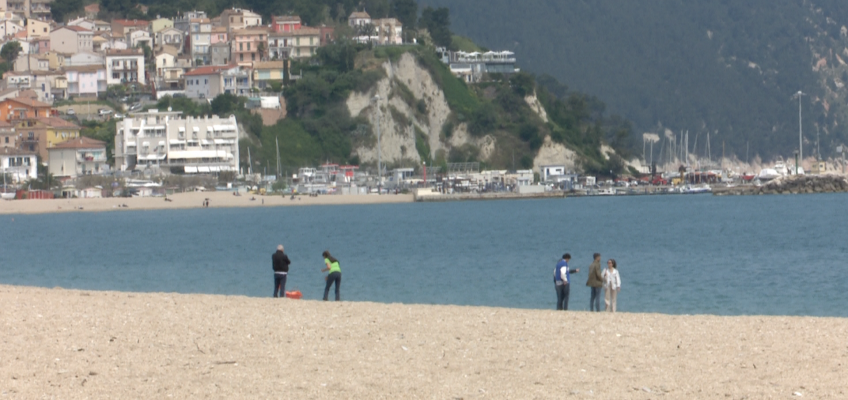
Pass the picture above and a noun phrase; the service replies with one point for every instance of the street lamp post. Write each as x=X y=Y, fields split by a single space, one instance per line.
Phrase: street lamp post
x=796 y=162
x=800 y=131
x=375 y=99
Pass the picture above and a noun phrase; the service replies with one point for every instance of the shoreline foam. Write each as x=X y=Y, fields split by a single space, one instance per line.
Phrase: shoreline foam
x=77 y=343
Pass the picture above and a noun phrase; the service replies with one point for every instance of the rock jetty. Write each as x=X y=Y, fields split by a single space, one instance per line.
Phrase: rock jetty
x=795 y=184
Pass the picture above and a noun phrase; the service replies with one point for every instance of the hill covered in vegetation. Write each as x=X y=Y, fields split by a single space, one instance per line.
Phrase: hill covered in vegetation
x=726 y=67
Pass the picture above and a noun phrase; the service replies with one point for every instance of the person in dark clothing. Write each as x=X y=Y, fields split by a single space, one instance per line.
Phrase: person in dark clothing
x=596 y=283
x=562 y=281
x=280 y=262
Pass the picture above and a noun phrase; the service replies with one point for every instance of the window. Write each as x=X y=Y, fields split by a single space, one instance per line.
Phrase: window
x=253 y=56
x=248 y=46
x=241 y=46
x=241 y=57
x=205 y=81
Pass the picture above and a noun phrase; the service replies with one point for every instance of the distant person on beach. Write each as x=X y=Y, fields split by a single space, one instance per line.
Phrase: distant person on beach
x=562 y=281
x=335 y=274
x=595 y=283
x=612 y=285
x=280 y=262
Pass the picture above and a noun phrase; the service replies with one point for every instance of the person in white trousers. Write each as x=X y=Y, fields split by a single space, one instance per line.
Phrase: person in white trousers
x=612 y=285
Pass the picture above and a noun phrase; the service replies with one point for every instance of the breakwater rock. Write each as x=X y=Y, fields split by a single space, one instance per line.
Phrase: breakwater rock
x=796 y=184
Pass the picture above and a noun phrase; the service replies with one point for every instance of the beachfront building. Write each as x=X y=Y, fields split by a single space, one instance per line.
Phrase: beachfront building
x=124 y=66
x=76 y=157
x=170 y=142
x=20 y=165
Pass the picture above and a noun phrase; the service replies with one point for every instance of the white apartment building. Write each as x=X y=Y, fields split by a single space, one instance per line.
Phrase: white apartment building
x=173 y=143
x=124 y=66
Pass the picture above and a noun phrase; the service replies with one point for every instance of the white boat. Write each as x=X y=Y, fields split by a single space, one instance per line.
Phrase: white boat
x=698 y=189
x=7 y=196
x=767 y=174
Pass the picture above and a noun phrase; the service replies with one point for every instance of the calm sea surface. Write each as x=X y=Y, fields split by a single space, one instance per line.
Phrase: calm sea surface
x=702 y=254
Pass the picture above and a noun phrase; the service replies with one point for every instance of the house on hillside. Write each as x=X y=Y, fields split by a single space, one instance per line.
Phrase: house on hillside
x=199 y=39
x=123 y=27
x=358 y=19
x=248 y=45
x=92 y=10
x=86 y=80
x=306 y=42
x=285 y=23
x=124 y=66
x=36 y=28
x=210 y=81
x=170 y=37
x=39 y=134
x=71 y=39
x=268 y=71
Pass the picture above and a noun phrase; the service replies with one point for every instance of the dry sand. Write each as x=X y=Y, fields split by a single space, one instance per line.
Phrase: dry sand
x=84 y=344
x=189 y=200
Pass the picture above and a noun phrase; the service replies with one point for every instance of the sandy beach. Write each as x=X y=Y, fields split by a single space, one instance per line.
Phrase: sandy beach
x=189 y=200
x=59 y=343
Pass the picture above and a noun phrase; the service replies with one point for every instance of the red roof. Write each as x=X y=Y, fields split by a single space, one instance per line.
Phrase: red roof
x=95 y=8
x=80 y=143
x=29 y=102
x=56 y=122
x=135 y=22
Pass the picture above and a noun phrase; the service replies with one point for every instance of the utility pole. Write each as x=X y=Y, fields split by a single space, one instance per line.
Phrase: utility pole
x=800 y=127
x=375 y=99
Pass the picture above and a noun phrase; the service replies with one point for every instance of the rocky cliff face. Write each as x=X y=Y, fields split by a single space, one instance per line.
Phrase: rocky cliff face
x=410 y=103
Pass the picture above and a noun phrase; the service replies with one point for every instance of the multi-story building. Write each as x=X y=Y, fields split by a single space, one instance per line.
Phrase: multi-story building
x=10 y=27
x=236 y=18
x=168 y=72
x=220 y=53
x=21 y=165
x=183 y=21
x=358 y=19
x=285 y=23
x=268 y=71
x=82 y=23
x=42 y=133
x=38 y=9
x=389 y=31
x=77 y=157
x=306 y=42
x=170 y=37
x=36 y=28
x=280 y=45
x=47 y=85
x=171 y=142
x=159 y=24
x=8 y=138
x=23 y=108
x=92 y=10
x=139 y=37
x=210 y=81
x=85 y=58
x=122 y=27
x=248 y=45
x=124 y=66
x=86 y=80
x=71 y=39
x=199 y=40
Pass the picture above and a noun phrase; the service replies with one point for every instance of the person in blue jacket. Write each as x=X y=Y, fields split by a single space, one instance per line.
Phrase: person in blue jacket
x=562 y=280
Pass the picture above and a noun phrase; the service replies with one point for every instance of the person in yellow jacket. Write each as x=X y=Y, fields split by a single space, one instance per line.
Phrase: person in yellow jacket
x=335 y=275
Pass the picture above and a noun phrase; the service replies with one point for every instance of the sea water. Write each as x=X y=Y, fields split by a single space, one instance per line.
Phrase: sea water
x=771 y=255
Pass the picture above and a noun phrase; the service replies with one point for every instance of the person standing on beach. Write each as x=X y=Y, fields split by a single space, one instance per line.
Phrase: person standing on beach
x=562 y=280
x=335 y=274
x=612 y=285
x=280 y=262
x=595 y=283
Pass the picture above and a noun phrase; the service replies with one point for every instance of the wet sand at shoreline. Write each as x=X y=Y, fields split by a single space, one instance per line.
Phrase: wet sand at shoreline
x=189 y=200
x=89 y=344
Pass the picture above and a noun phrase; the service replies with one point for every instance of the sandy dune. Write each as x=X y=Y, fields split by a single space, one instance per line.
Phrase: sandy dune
x=83 y=344
x=188 y=200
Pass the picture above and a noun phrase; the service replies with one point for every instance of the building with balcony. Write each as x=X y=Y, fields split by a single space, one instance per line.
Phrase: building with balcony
x=471 y=67
x=42 y=133
x=173 y=143
x=306 y=42
x=237 y=18
x=280 y=45
x=8 y=137
x=210 y=81
x=248 y=45
x=268 y=71
x=124 y=66
x=220 y=53
x=43 y=84
x=138 y=37
x=199 y=39
x=71 y=39
x=183 y=20
x=86 y=80
x=170 y=37
x=77 y=157
x=22 y=165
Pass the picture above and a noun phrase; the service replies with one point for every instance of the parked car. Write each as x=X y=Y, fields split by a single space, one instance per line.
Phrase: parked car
x=70 y=111
x=135 y=107
x=124 y=99
x=119 y=115
x=104 y=111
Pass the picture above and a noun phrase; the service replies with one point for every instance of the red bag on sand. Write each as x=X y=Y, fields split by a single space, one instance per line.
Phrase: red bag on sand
x=295 y=294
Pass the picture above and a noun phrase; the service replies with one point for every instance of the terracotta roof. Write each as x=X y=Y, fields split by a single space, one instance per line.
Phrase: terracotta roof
x=171 y=50
x=219 y=29
x=11 y=151
x=208 y=70
x=85 y=68
x=29 y=102
x=200 y=20
x=135 y=22
x=124 y=52
x=307 y=31
x=75 y=28
x=268 y=65
x=80 y=143
x=56 y=122
x=98 y=38
x=359 y=14
x=92 y=8
x=287 y=18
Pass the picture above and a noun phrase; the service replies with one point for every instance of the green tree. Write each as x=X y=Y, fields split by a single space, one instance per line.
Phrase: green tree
x=406 y=12
x=437 y=22
x=61 y=9
x=10 y=51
